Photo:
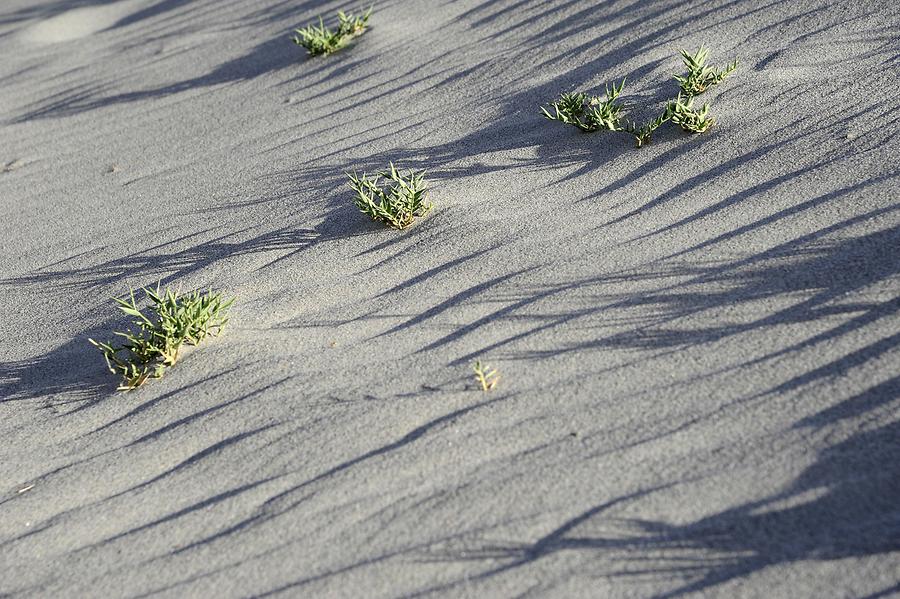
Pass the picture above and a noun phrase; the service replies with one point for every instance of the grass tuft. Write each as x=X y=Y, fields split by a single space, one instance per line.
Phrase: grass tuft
x=592 y=113
x=684 y=115
x=700 y=76
x=589 y=113
x=485 y=376
x=396 y=204
x=153 y=344
x=319 y=40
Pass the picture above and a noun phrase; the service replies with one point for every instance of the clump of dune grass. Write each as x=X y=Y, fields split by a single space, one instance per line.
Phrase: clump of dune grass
x=158 y=333
x=397 y=203
x=683 y=114
x=701 y=76
x=320 y=40
x=593 y=113
x=485 y=376
x=589 y=113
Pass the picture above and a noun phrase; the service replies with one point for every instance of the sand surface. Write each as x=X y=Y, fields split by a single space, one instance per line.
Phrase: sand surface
x=699 y=341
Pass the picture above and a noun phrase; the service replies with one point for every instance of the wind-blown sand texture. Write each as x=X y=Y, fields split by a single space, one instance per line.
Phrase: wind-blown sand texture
x=698 y=340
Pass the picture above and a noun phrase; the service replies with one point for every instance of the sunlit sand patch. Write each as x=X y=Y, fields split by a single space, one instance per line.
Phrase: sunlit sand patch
x=79 y=22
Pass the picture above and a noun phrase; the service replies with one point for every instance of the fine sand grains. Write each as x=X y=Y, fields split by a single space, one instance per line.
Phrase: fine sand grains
x=697 y=339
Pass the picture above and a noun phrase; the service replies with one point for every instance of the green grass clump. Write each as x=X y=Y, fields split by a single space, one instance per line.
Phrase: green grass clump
x=153 y=344
x=592 y=113
x=700 y=76
x=398 y=203
x=684 y=115
x=320 y=40
x=588 y=113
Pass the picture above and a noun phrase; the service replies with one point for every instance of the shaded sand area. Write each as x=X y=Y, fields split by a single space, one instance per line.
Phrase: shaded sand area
x=698 y=340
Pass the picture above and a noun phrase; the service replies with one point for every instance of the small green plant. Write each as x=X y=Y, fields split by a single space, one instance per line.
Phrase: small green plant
x=154 y=342
x=681 y=112
x=398 y=203
x=569 y=108
x=684 y=115
x=589 y=113
x=320 y=40
x=485 y=376
x=701 y=77
x=643 y=134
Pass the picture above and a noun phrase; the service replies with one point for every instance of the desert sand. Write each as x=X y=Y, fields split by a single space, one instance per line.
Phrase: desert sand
x=698 y=341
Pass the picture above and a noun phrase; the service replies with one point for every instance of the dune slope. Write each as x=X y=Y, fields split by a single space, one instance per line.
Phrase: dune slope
x=699 y=340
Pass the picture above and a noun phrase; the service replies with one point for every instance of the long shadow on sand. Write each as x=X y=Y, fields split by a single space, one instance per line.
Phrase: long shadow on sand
x=268 y=56
x=73 y=370
x=180 y=257
x=843 y=506
x=273 y=55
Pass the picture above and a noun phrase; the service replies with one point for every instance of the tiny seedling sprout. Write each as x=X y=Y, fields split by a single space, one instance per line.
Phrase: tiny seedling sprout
x=485 y=376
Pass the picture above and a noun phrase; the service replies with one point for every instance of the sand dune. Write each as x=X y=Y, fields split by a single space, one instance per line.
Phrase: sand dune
x=698 y=340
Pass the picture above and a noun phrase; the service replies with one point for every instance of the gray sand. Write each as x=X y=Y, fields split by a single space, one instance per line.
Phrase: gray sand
x=699 y=341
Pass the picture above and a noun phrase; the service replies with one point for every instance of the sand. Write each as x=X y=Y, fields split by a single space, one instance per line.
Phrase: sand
x=698 y=340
